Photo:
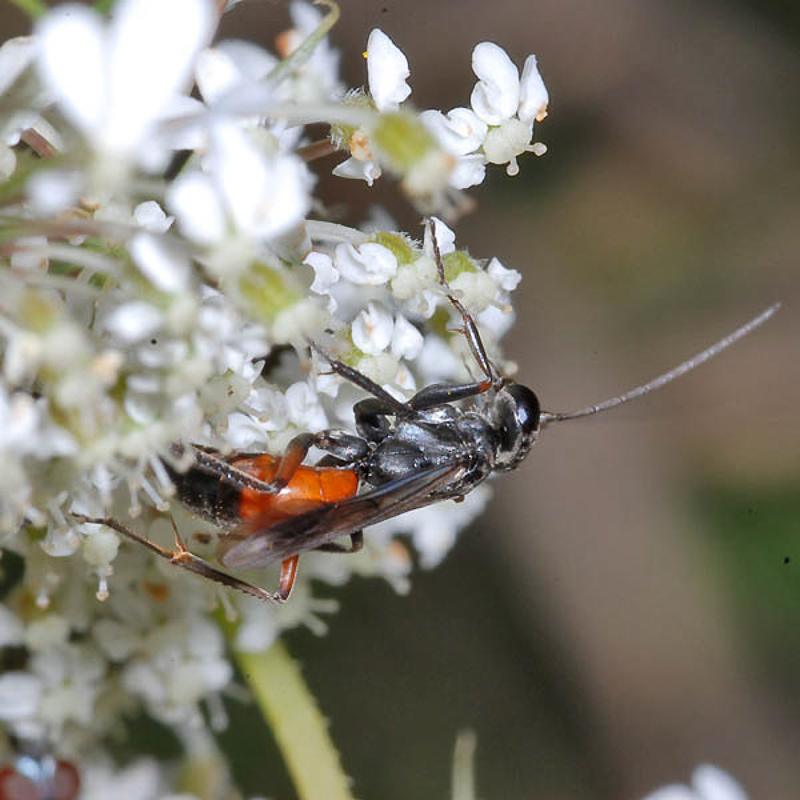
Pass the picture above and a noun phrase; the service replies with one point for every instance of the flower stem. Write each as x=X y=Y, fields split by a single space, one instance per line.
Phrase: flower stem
x=296 y=722
x=34 y=8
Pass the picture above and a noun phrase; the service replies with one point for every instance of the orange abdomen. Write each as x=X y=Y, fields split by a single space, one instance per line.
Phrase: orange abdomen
x=310 y=487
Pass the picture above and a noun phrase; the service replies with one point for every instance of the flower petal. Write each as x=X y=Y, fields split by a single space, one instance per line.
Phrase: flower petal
x=387 y=70
x=407 y=341
x=496 y=95
x=372 y=330
x=372 y=264
x=72 y=64
x=533 y=96
x=153 y=46
x=167 y=268
x=195 y=203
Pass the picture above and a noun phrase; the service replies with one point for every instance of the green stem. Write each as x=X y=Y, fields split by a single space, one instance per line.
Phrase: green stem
x=299 y=56
x=33 y=8
x=296 y=722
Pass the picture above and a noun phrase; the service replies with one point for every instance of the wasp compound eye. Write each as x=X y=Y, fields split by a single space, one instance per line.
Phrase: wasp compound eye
x=527 y=407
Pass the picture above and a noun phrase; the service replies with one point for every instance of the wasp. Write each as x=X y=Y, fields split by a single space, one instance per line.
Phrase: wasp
x=404 y=455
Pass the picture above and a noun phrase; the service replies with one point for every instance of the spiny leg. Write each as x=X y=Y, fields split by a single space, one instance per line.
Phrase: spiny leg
x=181 y=557
x=470 y=329
x=343 y=446
x=359 y=379
x=213 y=463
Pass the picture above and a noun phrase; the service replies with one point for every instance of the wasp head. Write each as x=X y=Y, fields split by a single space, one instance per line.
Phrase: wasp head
x=515 y=417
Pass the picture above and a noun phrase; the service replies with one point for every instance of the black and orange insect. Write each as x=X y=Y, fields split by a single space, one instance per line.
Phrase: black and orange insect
x=406 y=455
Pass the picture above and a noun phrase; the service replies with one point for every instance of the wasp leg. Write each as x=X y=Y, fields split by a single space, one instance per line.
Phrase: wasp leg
x=356 y=544
x=210 y=462
x=341 y=445
x=371 y=420
x=287 y=579
x=470 y=329
x=362 y=381
x=181 y=557
x=438 y=394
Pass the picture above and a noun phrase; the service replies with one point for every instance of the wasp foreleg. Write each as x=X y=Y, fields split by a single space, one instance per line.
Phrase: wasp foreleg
x=439 y=394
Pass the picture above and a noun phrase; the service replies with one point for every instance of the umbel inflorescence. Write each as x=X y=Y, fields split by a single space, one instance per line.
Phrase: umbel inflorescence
x=164 y=266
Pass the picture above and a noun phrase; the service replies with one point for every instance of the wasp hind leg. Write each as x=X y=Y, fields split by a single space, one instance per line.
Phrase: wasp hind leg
x=180 y=556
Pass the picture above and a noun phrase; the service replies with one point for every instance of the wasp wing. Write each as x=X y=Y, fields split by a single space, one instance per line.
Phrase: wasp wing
x=309 y=530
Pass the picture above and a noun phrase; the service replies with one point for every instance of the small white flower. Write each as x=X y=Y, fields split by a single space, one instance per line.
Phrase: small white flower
x=499 y=126
x=115 y=82
x=496 y=321
x=20 y=695
x=325 y=274
x=708 y=783
x=229 y=66
x=495 y=97
x=372 y=330
x=134 y=321
x=262 y=195
x=165 y=266
x=469 y=171
x=387 y=70
x=53 y=190
x=434 y=529
x=303 y=320
x=462 y=131
x=194 y=200
x=506 y=279
x=305 y=410
x=445 y=238
x=371 y=264
x=18 y=113
x=151 y=217
x=357 y=169
x=533 y=96
x=407 y=341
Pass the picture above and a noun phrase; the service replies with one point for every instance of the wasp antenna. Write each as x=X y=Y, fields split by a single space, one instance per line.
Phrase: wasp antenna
x=667 y=377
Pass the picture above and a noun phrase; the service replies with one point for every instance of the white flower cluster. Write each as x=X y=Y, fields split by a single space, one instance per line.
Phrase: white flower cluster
x=496 y=129
x=138 y=310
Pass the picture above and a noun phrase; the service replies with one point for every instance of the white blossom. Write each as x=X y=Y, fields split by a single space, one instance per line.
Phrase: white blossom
x=708 y=783
x=499 y=125
x=371 y=264
x=141 y=310
x=387 y=70
x=116 y=82
x=259 y=194
x=372 y=330
x=407 y=341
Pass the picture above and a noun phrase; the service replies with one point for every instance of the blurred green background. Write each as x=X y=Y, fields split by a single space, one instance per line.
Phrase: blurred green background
x=629 y=605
